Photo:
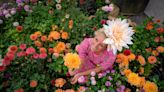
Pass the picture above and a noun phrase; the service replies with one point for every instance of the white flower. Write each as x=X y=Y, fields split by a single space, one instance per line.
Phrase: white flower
x=16 y=24
x=118 y=34
x=93 y=82
x=92 y=78
x=1 y=21
x=107 y=1
x=93 y=73
x=58 y=7
x=7 y=15
x=67 y=16
x=108 y=8
x=58 y=1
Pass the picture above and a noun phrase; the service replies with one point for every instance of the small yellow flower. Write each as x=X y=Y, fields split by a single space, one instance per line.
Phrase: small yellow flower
x=150 y=87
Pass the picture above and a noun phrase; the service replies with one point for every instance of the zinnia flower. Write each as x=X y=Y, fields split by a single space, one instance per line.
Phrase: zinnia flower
x=42 y=50
x=64 y=35
x=60 y=47
x=157 y=39
x=160 y=30
x=149 y=26
x=72 y=60
x=149 y=49
x=19 y=90
x=35 y=56
x=38 y=33
x=69 y=90
x=60 y=82
x=118 y=35
x=33 y=83
x=13 y=48
x=107 y=83
x=150 y=87
x=81 y=79
x=22 y=46
x=55 y=35
x=50 y=50
x=30 y=50
x=134 y=79
x=2 y=68
x=155 y=52
x=152 y=59
x=19 y=28
x=33 y=36
x=42 y=55
x=141 y=60
x=160 y=49
x=43 y=38
x=126 y=72
x=38 y=43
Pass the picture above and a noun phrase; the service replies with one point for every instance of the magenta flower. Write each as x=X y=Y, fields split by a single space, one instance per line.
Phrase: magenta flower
x=113 y=71
x=5 y=12
x=92 y=78
x=100 y=75
x=30 y=50
x=81 y=79
x=42 y=55
x=36 y=56
x=107 y=83
x=22 y=46
x=93 y=73
x=21 y=54
x=19 y=1
x=110 y=78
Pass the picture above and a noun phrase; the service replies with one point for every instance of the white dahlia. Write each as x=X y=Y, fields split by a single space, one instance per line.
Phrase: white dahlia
x=118 y=34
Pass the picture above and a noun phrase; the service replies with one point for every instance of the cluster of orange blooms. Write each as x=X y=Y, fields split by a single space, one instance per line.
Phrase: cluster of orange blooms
x=133 y=78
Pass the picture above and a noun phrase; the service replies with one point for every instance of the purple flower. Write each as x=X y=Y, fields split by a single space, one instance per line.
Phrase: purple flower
x=107 y=83
x=26 y=7
x=110 y=78
x=107 y=71
x=93 y=73
x=19 y=8
x=112 y=71
x=5 y=12
x=13 y=11
x=122 y=87
x=1 y=21
x=7 y=75
x=19 y=1
x=100 y=75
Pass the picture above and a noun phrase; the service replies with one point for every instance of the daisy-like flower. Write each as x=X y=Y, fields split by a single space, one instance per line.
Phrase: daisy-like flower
x=58 y=7
x=118 y=34
x=108 y=8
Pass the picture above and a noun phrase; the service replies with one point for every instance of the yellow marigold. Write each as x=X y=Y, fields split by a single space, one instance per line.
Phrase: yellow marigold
x=127 y=72
x=131 y=57
x=160 y=49
x=64 y=35
x=72 y=60
x=152 y=59
x=134 y=79
x=141 y=70
x=141 y=60
x=55 y=35
x=70 y=24
x=59 y=47
x=155 y=52
x=60 y=82
x=38 y=33
x=150 y=87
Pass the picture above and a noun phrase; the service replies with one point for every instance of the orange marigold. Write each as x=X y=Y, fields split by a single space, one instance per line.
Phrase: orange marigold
x=149 y=26
x=59 y=90
x=42 y=50
x=143 y=81
x=152 y=59
x=141 y=70
x=150 y=87
x=69 y=90
x=33 y=36
x=141 y=60
x=134 y=79
x=131 y=57
x=59 y=47
x=70 y=24
x=64 y=35
x=55 y=35
x=160 y=49
x=127 y=72
x=33 y=83
x=72 y=60
x=60 y=82
x=38 y=33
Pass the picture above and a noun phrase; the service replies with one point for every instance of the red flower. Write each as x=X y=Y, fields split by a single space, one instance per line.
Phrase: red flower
x=68 y=74
x=19 y=90
x=127 y=52
x=103 y=21
x=50 y=50
x=81 y=2
x=149 y=26
x=22 y=46
x=160 y=30
x=20 y=54
x=6 y=61
x=158 y=20
x=30 y=50
x=13 y=48
x=157 y=39
x=42 y=55
x=19 y=28
x=53 y=82
x=2 y=68
x=35 y=56
x=10 y=56
x=94 y=28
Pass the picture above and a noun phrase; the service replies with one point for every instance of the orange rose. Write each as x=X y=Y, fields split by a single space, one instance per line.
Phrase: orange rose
x=64 y=35
x=152 y=59
x=160 y=49
x=33 y=83
x=60 y=82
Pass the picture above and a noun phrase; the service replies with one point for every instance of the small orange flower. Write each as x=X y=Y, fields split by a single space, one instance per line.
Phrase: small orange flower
x=60 y=47
x=64 y=35
x=43 y=50
x=160 y=30
x=141 y=60
x=160 y=49
x=155 y=53
x=143 y=81
x=157 y=39
x=152 y=59
x=127 y=90
x=149 y=26
x=134 y=79
x=13 y=48
x=33 y=36
x=55 y=35
x=60 y=82
x=59 y=90
x=54 y=27
x=38 y=33
x=158 y=20
x=38 y=43
x=69 y=90
x=19 y=28
x=43 y=38
x=141 y=70
x=70 y=24
x=33 y=83
x=150 y=87
x=131 y=57
x=127 y=72
x=149 y=49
